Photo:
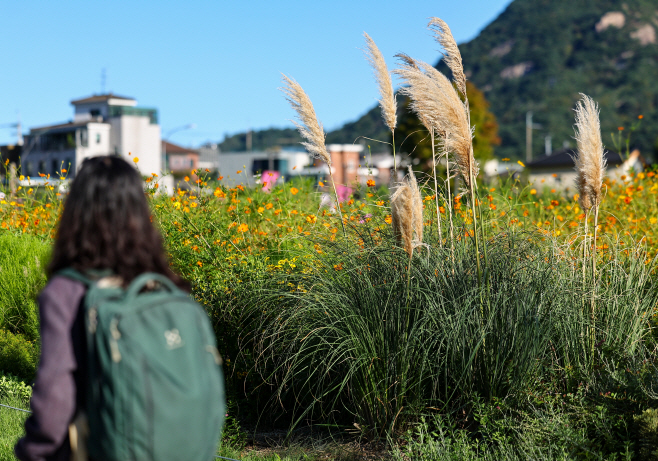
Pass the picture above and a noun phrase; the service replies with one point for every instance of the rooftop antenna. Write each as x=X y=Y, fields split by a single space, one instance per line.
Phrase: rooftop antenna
x=103 y=79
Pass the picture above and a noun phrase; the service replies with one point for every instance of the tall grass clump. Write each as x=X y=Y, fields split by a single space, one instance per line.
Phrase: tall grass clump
x=590 y=167
x=367 y=335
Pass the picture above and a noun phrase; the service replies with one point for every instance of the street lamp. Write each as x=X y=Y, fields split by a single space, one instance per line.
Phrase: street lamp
x=168 y=134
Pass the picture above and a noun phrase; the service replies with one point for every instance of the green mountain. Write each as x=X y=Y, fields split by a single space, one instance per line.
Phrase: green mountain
x=538 y=55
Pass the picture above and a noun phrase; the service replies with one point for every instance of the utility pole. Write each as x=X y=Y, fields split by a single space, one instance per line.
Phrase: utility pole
x=529 y=126
x=19 y=131
x=248 y=140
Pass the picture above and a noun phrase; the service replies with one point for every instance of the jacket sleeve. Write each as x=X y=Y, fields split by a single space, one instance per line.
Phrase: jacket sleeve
x=53 y=400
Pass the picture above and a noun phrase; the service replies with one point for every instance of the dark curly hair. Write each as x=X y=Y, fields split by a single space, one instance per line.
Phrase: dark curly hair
x=106 y=224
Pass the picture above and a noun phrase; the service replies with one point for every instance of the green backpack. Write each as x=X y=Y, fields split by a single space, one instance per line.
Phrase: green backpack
x=155 y=385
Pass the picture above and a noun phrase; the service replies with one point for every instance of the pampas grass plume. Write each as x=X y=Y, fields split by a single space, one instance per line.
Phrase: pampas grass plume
x=310 y=128
x=435 y=100
x=387 y=101
x=452 y=56
x=590 y=162
x=407 y=213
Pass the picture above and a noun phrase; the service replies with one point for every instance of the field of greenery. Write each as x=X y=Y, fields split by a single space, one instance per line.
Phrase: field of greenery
x=329 y=324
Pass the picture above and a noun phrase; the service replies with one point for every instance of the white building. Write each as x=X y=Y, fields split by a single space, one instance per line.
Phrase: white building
x=286 y=163
x=102 y=125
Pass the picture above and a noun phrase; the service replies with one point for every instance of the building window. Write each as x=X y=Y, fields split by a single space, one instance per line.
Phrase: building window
x=98 y=138
x=84 y=142
x=42 y=167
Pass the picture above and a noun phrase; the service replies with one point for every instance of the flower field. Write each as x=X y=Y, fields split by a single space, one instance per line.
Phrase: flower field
x=260 y=261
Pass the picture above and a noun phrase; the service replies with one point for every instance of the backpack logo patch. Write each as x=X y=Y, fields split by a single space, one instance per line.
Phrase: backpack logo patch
x=173 y=338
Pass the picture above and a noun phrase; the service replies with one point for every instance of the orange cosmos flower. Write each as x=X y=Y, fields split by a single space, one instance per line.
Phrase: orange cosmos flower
x=294 y=190
x=370 y=183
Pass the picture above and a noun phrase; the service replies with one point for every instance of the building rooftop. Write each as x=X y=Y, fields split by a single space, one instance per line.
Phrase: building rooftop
x=109 y=98
x=171 y=148
x=63 y=126
x=564 y=158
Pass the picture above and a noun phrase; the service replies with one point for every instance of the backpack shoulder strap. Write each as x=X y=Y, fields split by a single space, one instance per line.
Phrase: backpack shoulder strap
x=73 y=274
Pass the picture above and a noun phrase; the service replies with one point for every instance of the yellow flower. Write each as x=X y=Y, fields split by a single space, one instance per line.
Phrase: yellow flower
x=520 y=163
x=321 y=184
x=64 y=170
x=370 y=183
x=136 y=159
x=269 y=206
x=239 y=171
x=294 y=190
x=243 y=228
x=186 y=178
x=533 y=191
x=193 y=204
x=199 y=263
x=21 y=177
x=261 y=209
x=653 y=220
x=388 y=219
x=380 y=203
x=311 y=219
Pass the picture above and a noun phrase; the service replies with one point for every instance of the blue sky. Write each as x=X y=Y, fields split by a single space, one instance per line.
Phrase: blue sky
x=216 y=64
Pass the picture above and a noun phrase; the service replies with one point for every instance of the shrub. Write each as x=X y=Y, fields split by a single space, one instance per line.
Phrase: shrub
x=18 y=356
x=13 y=388
x=647 y=431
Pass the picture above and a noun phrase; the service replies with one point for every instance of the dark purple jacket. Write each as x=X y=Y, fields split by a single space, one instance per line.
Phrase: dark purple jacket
x=60 y=382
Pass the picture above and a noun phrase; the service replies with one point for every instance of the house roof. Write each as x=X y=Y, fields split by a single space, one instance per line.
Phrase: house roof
x=171 y=148
x=564 y=158
x=100 y=98
x=62 y=126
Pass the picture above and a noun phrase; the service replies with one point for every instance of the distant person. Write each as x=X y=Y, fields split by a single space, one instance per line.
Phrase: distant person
x=105 y=245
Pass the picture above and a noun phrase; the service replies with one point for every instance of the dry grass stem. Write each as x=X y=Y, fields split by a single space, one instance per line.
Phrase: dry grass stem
x=383 y=77
x=452 y=56
x=407 y=213
x=437 y=102
x=590 y=162
x=310 y=128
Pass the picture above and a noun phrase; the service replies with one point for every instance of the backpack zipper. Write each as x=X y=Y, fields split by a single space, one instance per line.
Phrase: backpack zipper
x=116 y=334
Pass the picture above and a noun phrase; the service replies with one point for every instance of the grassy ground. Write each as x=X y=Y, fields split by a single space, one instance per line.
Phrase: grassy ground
x=11 y=422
